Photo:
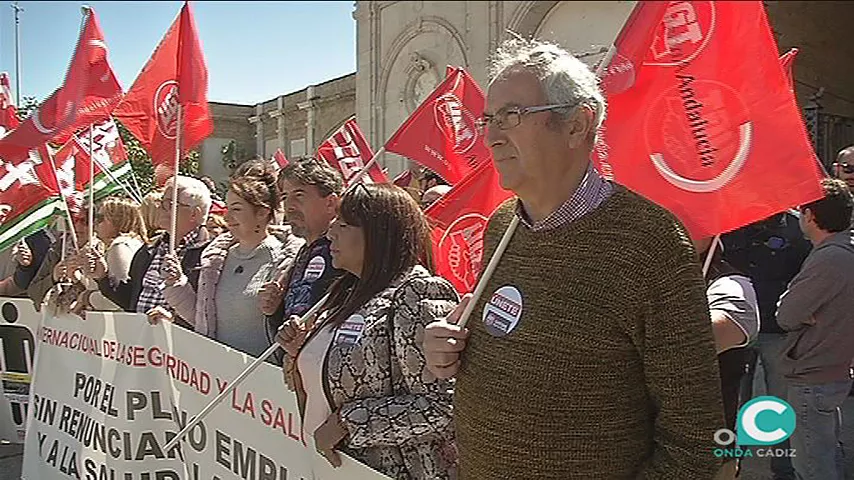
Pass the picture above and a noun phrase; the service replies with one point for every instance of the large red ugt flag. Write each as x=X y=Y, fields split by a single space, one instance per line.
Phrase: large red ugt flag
x=174 y=75
x=710 y=129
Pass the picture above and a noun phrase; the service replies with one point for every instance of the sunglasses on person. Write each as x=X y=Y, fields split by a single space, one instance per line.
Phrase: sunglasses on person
x=847 y=168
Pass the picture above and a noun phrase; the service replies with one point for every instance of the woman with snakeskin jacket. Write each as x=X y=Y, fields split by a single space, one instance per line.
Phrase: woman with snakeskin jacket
x=358 y=367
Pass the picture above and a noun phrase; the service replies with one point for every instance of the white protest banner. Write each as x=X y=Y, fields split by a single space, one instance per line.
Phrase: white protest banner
x=18 y=323
x=110 y=391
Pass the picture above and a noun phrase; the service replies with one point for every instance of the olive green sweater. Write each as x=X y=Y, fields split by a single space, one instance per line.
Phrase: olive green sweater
x=611 y=371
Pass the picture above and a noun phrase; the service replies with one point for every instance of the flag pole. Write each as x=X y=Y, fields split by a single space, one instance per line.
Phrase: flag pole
x=239 y=379
x=91 y=188
x=174 y=226
x=108 y=172
x=708 y=262
x=361 y=173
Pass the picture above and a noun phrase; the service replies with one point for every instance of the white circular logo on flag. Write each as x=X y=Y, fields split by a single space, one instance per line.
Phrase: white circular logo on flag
x=502 y=311
x=685 y=30
x=698 y=134
x=456 y=122
x=166 y=109
x=462 y=245
x=315 y=268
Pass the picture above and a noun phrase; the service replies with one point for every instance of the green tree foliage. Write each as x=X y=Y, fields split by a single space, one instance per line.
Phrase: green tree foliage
x=141 y=160
x=28 y=104
x=233 y=155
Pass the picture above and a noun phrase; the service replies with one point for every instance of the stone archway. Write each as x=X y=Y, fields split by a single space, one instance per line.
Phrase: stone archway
x=583 y=28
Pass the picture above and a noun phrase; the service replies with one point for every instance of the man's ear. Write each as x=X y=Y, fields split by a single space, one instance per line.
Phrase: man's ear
x=332 y=203
x=580 y=126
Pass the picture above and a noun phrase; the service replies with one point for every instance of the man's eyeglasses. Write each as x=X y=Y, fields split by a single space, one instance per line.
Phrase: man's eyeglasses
x=512 y=117
x=166 y=204
x=847 y=168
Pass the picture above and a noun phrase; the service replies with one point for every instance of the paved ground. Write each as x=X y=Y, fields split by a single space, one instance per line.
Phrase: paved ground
x=10 y=461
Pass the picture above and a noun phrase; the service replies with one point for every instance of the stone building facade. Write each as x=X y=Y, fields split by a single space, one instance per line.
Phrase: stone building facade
x=402 y=48
x=296 y=123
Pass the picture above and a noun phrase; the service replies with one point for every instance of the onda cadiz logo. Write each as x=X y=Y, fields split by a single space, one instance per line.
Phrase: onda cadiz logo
x=456 y=122
x=762 y=422
x=166 y=108
x=684 y=32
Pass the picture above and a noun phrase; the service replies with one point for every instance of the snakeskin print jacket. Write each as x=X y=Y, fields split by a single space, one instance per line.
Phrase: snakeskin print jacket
x=399 y=416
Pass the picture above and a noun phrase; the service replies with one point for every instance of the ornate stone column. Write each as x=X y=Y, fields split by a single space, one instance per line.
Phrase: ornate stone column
x=257 y=120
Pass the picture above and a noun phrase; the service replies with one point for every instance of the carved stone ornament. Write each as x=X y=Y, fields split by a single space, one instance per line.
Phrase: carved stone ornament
x=421 y=80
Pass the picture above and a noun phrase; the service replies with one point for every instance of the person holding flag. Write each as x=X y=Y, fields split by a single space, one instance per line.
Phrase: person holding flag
x=143 y=290
x=593 y=340
x=358 y=367
x=311 y=192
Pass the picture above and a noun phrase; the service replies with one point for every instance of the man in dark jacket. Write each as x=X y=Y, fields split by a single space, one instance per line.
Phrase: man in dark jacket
x=143 y=291
x=311 y=193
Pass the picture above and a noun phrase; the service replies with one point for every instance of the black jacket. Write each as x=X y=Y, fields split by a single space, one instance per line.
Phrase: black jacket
x=126 y=294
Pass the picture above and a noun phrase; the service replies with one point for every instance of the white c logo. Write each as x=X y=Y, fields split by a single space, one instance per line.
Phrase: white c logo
x=704 y=186
x=748 y=421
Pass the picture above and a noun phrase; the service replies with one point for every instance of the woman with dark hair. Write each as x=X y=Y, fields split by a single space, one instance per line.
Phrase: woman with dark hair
x=358 y=368
x=235 y=265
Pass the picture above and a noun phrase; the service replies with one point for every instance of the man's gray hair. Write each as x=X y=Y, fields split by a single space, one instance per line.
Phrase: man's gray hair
x=564 y=78
x=195 y=191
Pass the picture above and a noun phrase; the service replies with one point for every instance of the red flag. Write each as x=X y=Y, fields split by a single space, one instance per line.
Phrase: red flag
x=710 y=129
x=64 y=161
x=631 y=46
x=280 y=158
x=174 y=75
x=787 y=61
x=8 y=112
x=459 y=221
x=404 y=180
x=441 y=134
x=349 y=152
x=88 y=94
x=107 y=149
x=29 y=195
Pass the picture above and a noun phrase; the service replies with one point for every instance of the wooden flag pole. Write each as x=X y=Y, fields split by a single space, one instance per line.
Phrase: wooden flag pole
x=174 y=227
x=91 y=188
x=708 y=262
x=361 y=173
x=239 y=379
x=490 y=269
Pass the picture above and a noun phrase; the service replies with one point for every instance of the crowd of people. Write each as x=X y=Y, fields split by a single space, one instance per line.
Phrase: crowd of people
x=601 y=348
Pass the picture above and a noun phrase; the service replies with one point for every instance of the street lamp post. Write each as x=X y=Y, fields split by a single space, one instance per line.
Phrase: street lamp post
x=17 y=10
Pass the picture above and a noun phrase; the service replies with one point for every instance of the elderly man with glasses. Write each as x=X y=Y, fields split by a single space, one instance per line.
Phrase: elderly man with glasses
x=590 y=354
x=143 y=290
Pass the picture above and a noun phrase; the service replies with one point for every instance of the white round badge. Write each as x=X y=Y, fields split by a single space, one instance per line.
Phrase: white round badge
x=350 y=331
x=315 y=268
x=502 y=311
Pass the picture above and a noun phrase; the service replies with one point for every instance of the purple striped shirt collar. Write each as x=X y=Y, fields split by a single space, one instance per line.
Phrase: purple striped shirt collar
x=591 y=192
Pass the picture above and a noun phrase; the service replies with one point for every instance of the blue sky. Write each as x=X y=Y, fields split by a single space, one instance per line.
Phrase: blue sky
x=255 y=51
